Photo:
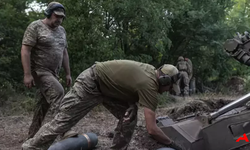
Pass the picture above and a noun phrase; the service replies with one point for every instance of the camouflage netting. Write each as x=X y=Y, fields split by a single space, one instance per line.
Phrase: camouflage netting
x=236 y=85
x=196 y=106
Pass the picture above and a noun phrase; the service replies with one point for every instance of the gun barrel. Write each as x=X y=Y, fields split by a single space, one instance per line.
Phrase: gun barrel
x=237 y=103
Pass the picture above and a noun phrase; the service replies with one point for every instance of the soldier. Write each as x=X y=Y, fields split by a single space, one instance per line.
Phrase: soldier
x=44 y=50
x=184 y=68
x=119 y=85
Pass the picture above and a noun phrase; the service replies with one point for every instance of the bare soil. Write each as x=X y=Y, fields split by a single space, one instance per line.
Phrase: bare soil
x=13 y=129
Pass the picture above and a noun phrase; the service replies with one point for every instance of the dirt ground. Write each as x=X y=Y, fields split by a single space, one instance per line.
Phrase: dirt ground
x=13 y=129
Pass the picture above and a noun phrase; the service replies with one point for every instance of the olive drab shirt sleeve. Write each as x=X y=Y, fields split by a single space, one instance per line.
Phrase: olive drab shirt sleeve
x=129 y=81
x=30 y=35
x=148 y=98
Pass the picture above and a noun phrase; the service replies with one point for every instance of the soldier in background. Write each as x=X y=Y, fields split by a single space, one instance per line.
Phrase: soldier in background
x=43 y=52
x=184 y=68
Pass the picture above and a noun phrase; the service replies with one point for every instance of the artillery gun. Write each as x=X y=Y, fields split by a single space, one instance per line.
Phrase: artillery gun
x=218 y=130
x=239 y=48
x=211 y=131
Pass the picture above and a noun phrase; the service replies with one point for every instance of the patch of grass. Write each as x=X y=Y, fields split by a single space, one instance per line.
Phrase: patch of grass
x=247 y=86
x=13 y=102
x=6 y=89
x=165 y=99
x=18 y=104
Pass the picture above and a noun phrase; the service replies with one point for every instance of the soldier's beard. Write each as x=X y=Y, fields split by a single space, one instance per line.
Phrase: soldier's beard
x=56 y=24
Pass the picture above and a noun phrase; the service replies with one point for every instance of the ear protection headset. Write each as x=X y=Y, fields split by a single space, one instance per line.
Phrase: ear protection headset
x=49 y=10
x=165 y=79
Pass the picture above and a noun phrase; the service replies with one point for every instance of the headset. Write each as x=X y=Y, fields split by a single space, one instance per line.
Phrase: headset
x=165 y=79
x=49 y=10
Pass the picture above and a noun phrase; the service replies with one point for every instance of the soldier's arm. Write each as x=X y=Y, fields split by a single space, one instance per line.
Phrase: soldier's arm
x=148 y=99
x=153 y=129
x=66 y=67
x=177 y=65
x=25 y=56
x=156 y=132
x=66 y=62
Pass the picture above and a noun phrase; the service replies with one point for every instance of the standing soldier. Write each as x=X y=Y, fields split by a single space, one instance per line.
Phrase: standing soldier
x=183 y=83
x=44 y=50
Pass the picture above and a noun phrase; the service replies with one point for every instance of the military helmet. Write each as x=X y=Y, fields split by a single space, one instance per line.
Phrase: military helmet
x=55 y=7
x=171 y=75
x=180 y=58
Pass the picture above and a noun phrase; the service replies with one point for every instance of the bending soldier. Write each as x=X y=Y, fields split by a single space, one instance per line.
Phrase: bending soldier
x=119 y=85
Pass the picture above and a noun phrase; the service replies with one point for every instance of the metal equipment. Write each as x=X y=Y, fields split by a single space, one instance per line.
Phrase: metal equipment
x=214 y=131
x=81 y=142
x=221 y=129
x=218 y=130
x=239 y=48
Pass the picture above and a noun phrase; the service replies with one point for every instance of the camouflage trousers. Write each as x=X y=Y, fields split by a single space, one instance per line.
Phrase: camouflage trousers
x=82 y=98
x=49 y=95
x=182 y=84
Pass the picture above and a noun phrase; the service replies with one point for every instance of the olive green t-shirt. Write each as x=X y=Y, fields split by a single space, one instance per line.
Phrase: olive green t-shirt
x=129 y=81
x=47 y=45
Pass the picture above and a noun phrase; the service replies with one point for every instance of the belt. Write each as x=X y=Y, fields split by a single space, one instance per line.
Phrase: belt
x=95 y=77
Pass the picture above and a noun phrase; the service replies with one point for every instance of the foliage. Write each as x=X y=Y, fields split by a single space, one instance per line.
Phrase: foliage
x=154 y=32
x=165 y=99
x=13 y=102
x=238 y=16
x=14 y=21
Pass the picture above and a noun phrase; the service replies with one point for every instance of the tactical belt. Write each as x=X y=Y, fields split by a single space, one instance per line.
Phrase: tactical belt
x=93 y=74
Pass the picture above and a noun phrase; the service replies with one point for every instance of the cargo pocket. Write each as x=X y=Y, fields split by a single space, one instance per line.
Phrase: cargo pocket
x=71 y=99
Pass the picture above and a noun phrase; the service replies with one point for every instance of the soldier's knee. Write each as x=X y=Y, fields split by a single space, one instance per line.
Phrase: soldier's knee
x=59 y=128
x=60 y=92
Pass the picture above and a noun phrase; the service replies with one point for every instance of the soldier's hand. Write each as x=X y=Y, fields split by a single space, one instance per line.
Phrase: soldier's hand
x=28 y=81
x=130 y=113
x=68 y=80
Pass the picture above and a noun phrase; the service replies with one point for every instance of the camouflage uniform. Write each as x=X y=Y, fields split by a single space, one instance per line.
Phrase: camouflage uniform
x=192 y=85
x=48 y=46
x=190 y=68
x=183 y=83
x=84 y=96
